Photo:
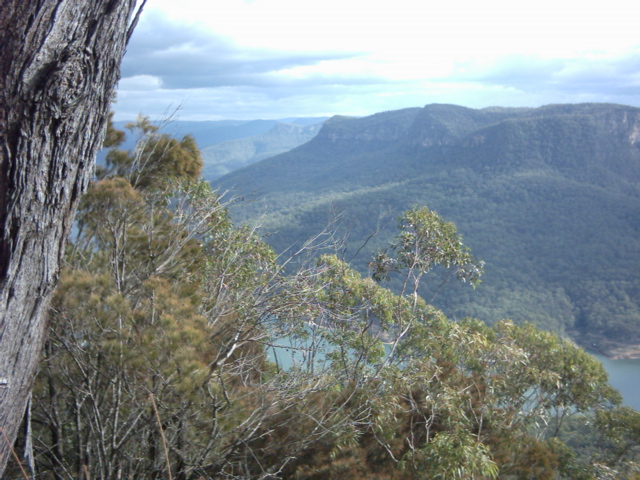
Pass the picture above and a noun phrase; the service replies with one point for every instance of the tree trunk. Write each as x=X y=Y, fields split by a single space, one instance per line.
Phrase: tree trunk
x=59 y=64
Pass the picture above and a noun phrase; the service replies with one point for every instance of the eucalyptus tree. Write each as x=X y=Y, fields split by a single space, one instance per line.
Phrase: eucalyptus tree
x=443 y=399
x=157 y=360
x=179 y=346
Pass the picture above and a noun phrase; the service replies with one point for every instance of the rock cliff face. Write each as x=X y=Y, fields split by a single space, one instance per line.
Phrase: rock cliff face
x=386 y=127
x=447 y=125
x=578 y=139
x=629 y=125
x=548 y=197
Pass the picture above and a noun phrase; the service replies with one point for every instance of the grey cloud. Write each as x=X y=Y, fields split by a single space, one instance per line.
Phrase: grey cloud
x=193 y=58
x=618 y=76
x=216 y=79
x=586 y=76
x=248 y=102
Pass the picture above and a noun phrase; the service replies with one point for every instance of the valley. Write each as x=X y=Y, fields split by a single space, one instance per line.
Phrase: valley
x=548 y=197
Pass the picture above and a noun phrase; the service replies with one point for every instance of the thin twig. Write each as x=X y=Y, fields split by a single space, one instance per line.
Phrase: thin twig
x=15 y=455
x=164 y=440
x=134 y=22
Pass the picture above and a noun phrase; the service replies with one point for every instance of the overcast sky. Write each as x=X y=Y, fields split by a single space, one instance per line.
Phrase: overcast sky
x=250 y=59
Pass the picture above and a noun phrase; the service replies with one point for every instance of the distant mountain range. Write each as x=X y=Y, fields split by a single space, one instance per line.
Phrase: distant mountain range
x=548 y=197
x=227 y=145
x=213 y=132
x=230 y=155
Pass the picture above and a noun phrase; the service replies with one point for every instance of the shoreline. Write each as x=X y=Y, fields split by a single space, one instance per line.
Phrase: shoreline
x=607 y=348
x=615 y=352
x=631 y=352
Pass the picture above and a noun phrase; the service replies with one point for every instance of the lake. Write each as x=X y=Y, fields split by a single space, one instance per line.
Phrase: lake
x=625 y=376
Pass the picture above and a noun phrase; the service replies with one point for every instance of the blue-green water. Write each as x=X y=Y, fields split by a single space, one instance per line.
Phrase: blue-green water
x=625 y=376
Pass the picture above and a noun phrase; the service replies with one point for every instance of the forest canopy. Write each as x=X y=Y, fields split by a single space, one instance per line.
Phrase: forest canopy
x=548 y=197
x=180 y=346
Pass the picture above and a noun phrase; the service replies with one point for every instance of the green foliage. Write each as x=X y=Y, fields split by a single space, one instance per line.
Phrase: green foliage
x=426 y=240
x=158 y=298
x=547 y=197
x=113 y=136
x=620 y=430
x=164 y=302
x=156 y=159
x=455 y=455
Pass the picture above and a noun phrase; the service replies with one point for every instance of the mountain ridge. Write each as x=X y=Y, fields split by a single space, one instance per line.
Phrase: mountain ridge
x=549 y=197
x=230 y=155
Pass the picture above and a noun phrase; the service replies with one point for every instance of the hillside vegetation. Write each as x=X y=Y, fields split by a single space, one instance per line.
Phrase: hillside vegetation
x=180 y=348
x=230 y=155
x=548 y=197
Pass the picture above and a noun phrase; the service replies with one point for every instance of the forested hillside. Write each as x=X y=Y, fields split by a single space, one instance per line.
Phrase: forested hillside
x=549 y=198
x=180 y=348
x=213 y=132
x=230 y=155
x=227 y=145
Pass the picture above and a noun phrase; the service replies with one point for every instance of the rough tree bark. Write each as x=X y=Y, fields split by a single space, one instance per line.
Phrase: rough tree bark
x=59 y=64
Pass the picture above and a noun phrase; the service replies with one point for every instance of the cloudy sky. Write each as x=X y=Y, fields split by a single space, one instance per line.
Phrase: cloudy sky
x=249 y=59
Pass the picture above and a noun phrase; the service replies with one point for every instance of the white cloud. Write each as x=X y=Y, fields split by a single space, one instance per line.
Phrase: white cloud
x=140 y=82
x=357 y=56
